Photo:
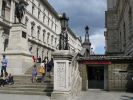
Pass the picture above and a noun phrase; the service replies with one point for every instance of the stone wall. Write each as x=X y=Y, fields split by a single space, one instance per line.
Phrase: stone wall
x=83 y=74
x=117 y=78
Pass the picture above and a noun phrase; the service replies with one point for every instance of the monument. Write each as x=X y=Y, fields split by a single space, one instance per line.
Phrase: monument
x=18 y=55
x=66 y=86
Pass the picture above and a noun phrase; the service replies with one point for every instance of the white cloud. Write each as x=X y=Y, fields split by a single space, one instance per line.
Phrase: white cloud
x=98 y=40
x=82 y=13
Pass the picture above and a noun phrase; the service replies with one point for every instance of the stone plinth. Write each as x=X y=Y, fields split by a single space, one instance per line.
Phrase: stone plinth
x=18 y=55
x=62 y=75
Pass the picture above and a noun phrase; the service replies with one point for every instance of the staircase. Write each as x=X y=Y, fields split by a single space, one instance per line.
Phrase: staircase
x=23 y=85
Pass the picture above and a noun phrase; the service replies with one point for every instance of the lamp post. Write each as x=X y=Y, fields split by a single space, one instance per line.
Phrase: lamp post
x=87 y=29
x=63 y=42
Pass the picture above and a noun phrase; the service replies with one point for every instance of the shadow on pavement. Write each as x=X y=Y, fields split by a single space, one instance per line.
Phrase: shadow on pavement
x=124 y=97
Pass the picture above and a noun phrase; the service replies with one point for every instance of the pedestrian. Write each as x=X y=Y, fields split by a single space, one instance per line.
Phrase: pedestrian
x=10 y=79
x=39 y=59
x=34 y=74
x=50 y=65
x=4 y=65
x=42 y=71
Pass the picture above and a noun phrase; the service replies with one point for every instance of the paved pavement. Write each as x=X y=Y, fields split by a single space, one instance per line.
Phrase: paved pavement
x=89 y=95
x=104 y=95
x=23 y=97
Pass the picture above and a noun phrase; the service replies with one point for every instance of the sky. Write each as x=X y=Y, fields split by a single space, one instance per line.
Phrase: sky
x=82 y=13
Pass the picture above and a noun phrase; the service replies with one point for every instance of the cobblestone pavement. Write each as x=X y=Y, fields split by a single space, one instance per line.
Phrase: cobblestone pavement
x=22 y=97
x=104 y=95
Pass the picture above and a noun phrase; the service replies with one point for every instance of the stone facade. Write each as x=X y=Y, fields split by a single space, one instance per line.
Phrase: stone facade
x=119 y=27
x=43 y=27
x=117 y=80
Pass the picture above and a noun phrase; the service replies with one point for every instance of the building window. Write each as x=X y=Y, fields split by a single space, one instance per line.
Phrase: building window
x=48 y=38
x=42 y=54
x=55 y=41
x=130 y=23
x=33 y=8
x=48 y=21
x=26 y=20
x=124 y=30
x=38 y=32
x=44 y=17
x=55 y=27
x=3 y=8
x=37 y=52
x=39 y=13
x=52 y=40
x=32 y=28
x=44 y=35
x=5 y=44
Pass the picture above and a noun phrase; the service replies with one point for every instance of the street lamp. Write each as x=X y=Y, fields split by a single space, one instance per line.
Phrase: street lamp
x=63 y=42
x=87 y=29
x=64 y=22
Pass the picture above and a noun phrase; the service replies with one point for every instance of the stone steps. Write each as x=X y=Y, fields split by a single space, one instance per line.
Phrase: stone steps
x=23 y=85
x=29 y=86
x=25 y=92
x=47 y=89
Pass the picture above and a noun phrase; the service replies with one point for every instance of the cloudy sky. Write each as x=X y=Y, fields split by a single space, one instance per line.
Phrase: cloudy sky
x=82 y=13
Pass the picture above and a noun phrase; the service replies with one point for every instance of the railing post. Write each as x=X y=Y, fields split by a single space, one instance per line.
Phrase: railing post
x=62 y=75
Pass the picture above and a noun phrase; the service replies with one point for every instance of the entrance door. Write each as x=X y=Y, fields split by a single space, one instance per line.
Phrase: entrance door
x=96 y=77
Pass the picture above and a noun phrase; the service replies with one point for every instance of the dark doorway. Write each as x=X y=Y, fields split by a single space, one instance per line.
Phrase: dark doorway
x=96 y=77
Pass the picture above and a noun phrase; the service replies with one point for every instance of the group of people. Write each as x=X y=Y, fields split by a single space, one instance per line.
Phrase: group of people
x=44 y=69
x=5 y=78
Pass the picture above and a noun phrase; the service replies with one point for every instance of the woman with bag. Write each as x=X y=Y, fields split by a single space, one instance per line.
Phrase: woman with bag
x=42 y=71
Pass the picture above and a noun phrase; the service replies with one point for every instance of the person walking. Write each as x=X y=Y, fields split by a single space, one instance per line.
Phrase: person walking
x=4 y=65
x=42 y=71
x=34 y=74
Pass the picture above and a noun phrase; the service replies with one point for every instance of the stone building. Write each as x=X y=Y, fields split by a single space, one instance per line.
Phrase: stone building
x=119 y=24
x=43 y=27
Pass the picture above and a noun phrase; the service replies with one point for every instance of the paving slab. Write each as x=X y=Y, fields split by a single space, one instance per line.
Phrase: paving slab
x=94 y=94
x=23 y=97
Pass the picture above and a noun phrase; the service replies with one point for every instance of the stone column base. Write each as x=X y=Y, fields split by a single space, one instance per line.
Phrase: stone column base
x=61 y=96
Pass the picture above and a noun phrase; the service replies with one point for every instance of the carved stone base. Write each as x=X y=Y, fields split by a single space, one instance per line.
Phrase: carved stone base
x=18 y=55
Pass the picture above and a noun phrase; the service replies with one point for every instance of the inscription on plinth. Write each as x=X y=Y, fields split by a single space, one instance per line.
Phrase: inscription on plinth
x=61 y=77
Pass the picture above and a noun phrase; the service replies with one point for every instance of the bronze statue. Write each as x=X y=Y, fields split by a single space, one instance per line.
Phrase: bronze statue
x=20 y=11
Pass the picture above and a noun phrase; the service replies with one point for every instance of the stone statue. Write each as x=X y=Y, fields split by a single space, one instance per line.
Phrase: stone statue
x=20 y=11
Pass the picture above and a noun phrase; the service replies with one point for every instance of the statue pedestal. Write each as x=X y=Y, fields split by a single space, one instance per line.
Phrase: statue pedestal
x=62 y=75
x=18 y=55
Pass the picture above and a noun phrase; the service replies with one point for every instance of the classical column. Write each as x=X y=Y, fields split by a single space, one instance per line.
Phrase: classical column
x=1 y=2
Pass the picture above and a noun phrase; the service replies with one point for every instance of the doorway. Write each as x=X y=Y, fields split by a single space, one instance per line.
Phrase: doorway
x=95 y=77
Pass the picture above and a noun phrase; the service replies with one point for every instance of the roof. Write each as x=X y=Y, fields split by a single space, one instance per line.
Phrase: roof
x=50 y=8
